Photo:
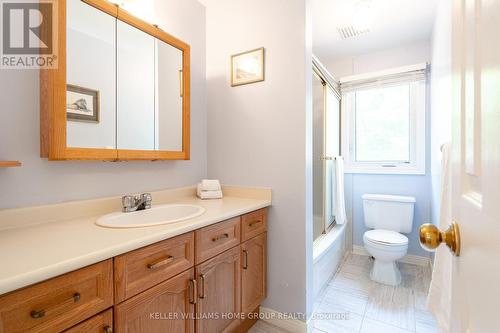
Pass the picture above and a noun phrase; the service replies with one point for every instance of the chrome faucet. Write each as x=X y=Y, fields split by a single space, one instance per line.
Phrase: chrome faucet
x=132 y=203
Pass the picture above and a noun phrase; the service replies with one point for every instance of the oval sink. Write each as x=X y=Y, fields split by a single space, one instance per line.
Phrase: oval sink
x=160 y=214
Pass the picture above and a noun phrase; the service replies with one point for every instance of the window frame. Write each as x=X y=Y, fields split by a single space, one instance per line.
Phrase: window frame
x=417 y=163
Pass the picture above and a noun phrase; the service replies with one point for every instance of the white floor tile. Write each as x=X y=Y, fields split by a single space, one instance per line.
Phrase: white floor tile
x=349 y=324
x=409 y=268
x=373 y=326
x=315 y=330
x=374 y=307
x=425 y=322
x=420 y=300
x=263 y=327
x=359 y=260
x=336 y=301
x=359 y=284
x=392 y=305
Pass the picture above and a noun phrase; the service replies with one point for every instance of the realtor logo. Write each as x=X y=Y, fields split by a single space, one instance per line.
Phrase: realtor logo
x=28 y=34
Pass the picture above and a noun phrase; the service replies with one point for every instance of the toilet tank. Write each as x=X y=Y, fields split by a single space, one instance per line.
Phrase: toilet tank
x=389 y=212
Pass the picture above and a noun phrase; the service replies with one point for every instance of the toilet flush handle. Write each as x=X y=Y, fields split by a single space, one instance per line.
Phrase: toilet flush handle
x=431 y=237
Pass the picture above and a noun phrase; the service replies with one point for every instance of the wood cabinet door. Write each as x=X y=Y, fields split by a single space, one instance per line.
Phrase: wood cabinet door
x=254 y=272
x=167 y=307
x=219 y=304
x=100 y=323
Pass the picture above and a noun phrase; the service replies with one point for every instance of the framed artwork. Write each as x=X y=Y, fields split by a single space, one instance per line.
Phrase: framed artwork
x=82 y=104
x=247 y=67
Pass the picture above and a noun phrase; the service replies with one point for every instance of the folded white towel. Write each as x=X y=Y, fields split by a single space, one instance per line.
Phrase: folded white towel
x=210 y=185
x=208 y=194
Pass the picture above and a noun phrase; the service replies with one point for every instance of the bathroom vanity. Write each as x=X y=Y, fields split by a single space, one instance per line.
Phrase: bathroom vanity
x=207 y=274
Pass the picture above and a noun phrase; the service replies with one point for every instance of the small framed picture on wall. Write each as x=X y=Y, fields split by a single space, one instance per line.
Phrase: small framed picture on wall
x=82 y=104
x=247 y=67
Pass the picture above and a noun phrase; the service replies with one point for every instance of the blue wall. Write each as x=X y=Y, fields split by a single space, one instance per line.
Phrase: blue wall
x=410 y=185
x=418 y=186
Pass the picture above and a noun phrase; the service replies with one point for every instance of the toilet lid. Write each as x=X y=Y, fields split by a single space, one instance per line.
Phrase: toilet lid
x=387 y=237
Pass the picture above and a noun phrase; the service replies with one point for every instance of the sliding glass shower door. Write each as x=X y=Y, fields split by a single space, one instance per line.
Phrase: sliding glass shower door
x=326 y=145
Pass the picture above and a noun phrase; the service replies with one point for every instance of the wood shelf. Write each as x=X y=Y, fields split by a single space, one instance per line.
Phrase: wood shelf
x=9 y=164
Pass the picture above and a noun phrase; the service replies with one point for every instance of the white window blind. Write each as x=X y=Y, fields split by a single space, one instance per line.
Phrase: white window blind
x=383 y=121
x=408 y=74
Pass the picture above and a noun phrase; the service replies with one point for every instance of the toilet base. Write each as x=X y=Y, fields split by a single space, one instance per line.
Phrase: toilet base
x=386 y=272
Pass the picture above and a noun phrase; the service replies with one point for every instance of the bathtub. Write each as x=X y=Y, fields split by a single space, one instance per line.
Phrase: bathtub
x=328 y=253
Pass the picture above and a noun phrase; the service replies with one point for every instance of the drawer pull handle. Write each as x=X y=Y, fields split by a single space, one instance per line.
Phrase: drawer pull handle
x=254 y=222
x=245 y=259
x=217 y=238
x=192 y=291
x=108 y=329
x=202 y=280
x=36 y=314
x=161 y=263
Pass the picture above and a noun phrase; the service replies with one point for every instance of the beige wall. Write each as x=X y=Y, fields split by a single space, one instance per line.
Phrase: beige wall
x=41 y=182
x=259 y=134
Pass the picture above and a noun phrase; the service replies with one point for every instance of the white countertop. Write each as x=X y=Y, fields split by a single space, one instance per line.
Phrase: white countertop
x=32 y=253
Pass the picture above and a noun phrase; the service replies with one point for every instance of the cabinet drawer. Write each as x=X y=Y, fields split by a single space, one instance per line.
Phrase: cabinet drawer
x=217 y=238
x=253 y=224
x=58 y=303
x=100 y=323
x=141 y=269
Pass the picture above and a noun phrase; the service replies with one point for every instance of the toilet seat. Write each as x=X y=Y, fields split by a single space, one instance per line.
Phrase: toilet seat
x=385 y=237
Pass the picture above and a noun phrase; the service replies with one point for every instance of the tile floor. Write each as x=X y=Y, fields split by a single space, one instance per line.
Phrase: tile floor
x=363 y=306
x=372 y=307
x=264 y=327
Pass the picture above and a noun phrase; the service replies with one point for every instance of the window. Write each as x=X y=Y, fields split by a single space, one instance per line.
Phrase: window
x=384 y=125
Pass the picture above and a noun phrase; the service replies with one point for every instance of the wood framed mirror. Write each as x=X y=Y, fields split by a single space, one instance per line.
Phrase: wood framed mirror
x=121 y=90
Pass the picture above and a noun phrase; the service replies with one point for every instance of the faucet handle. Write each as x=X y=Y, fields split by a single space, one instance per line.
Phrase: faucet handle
x=147 y=198
x=128 y=201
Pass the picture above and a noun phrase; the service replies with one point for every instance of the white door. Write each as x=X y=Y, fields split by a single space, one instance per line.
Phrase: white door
x=476 y=165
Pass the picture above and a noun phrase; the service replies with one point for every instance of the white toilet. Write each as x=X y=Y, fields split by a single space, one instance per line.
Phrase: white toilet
x=388 y=216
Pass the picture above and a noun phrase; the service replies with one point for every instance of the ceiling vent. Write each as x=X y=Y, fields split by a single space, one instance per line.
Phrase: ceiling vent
x=350 y=32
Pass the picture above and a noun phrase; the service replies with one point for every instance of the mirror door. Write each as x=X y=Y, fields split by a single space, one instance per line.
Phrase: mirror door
x=169 y=97
x=121 y=91
x=90 y=77
x=135 y=88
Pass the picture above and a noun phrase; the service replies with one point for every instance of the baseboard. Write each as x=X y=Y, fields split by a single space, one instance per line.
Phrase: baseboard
x=407 y=259
x=277 y=319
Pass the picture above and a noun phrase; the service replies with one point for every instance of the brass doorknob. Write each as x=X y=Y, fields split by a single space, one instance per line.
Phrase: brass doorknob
x=431 y=237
